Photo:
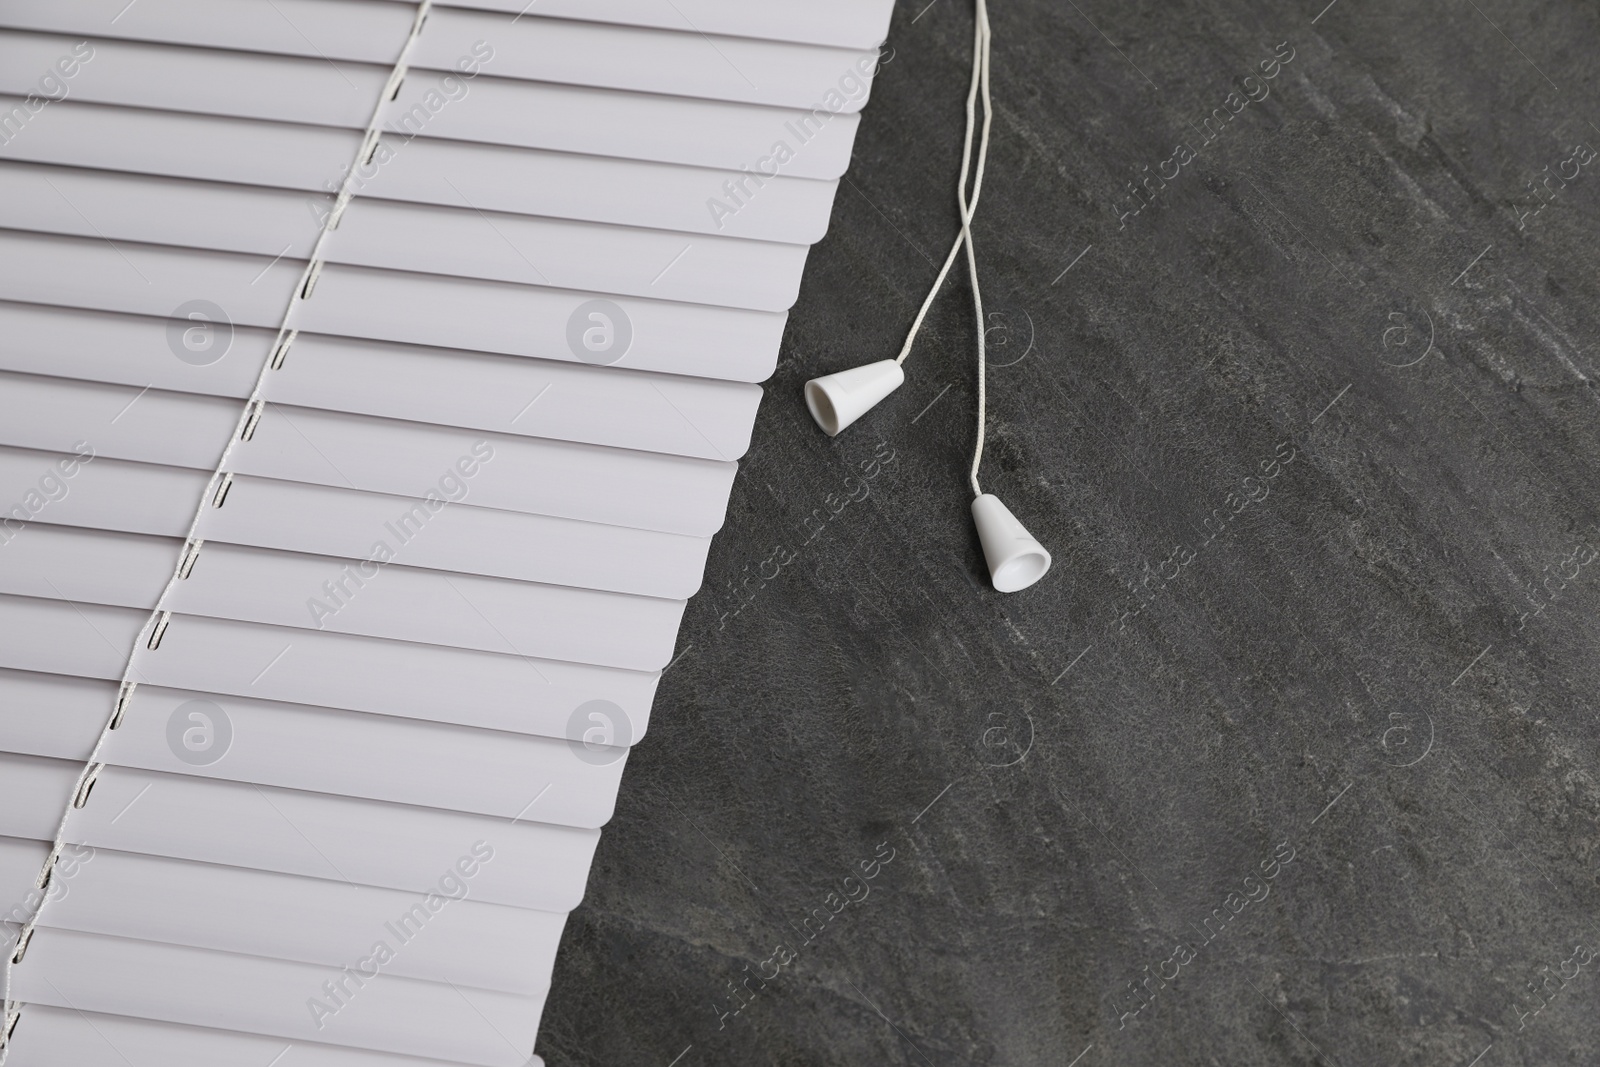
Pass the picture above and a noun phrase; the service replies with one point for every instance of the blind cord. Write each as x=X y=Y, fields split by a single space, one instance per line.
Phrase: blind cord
x=979 y=85
x=1016 y=559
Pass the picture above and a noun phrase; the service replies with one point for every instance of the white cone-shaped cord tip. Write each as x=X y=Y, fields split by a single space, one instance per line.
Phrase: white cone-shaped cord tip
x=1016 y=560
x=837 y=400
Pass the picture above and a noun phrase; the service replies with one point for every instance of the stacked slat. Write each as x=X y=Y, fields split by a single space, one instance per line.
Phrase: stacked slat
x=371 y=542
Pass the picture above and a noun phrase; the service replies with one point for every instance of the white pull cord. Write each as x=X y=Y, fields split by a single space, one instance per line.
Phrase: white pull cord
x=980 y=49
x=982 y=65
x=836 y=400
x=980 y=82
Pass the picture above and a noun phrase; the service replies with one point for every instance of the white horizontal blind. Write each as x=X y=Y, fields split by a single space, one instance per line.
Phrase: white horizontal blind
x=363 y=429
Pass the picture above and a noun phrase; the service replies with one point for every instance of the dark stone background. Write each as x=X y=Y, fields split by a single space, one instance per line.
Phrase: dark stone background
x=1340 y=671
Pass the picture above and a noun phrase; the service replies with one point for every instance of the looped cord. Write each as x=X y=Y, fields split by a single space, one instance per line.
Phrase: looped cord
x=979 y=85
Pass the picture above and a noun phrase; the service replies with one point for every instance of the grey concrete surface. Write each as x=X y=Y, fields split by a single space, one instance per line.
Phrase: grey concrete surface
x=1292 y=757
